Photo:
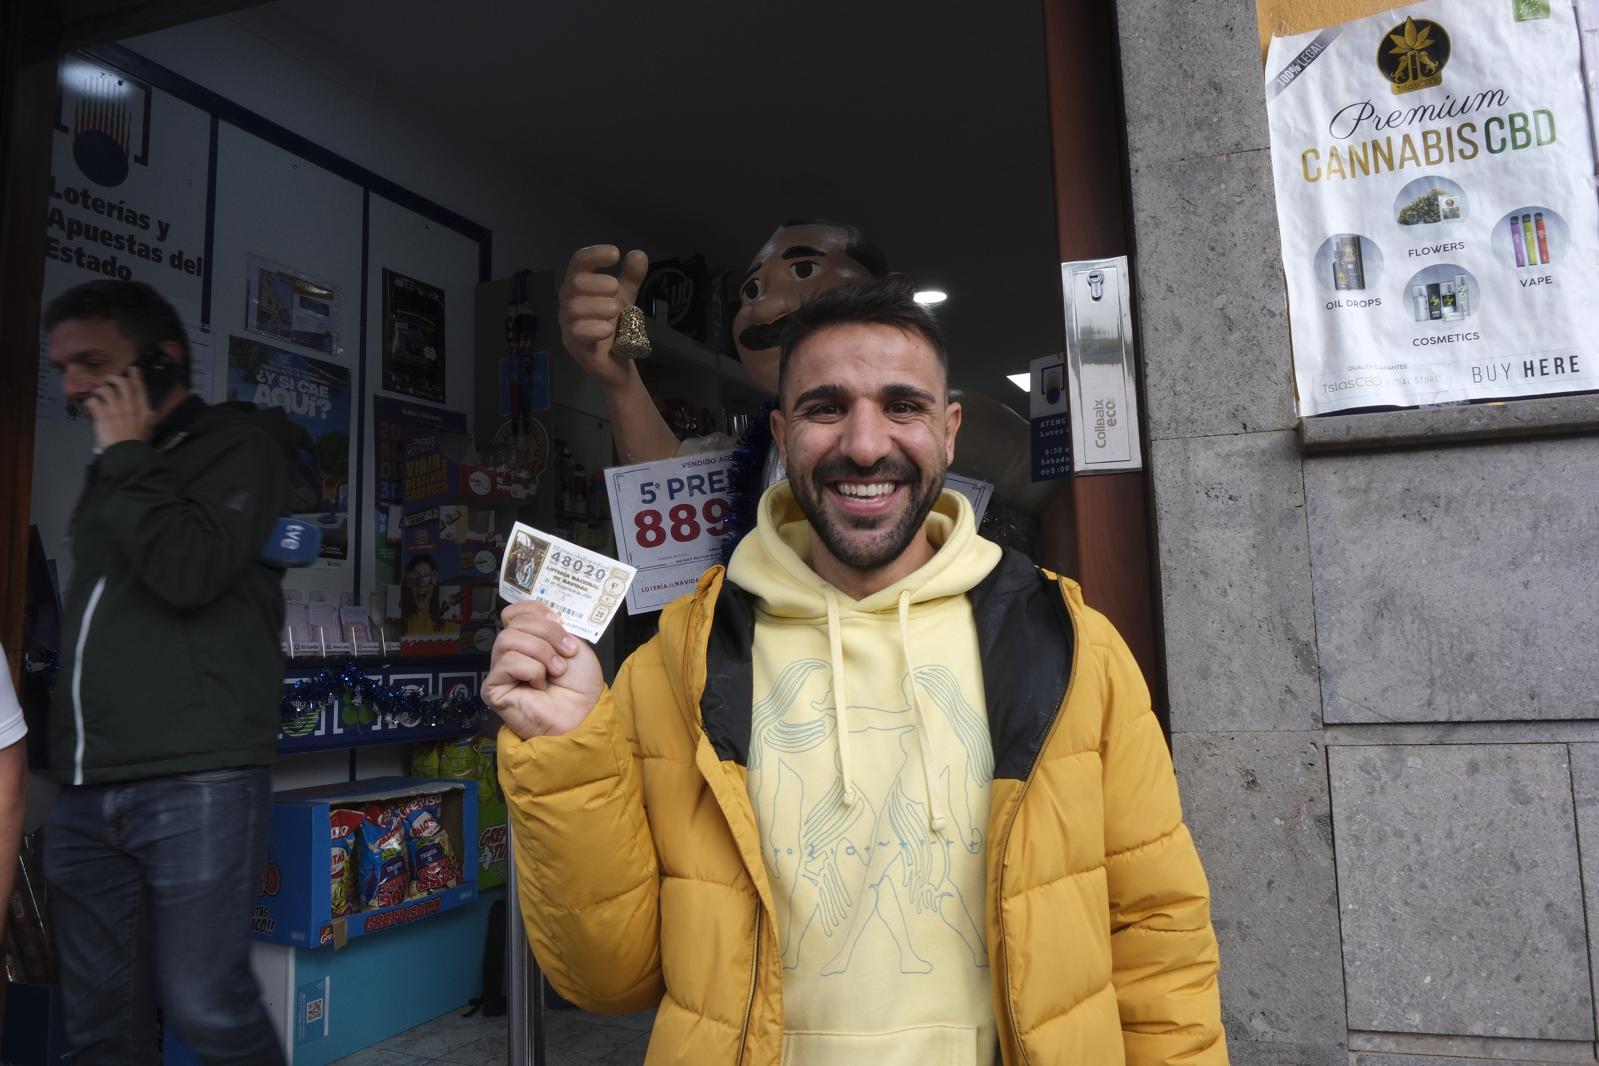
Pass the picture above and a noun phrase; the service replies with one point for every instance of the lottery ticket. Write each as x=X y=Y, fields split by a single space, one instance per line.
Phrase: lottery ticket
x=584 y=586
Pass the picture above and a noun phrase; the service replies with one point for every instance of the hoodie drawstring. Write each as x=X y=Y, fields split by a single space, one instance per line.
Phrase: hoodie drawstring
x=936 y=819
x=937 y=815
x=835 y=643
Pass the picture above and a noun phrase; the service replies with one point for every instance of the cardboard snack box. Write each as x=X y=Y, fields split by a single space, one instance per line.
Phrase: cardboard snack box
x=295 y=903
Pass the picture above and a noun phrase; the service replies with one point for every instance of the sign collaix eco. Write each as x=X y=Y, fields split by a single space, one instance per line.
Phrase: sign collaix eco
x=1434 y=168
x=1099 y=368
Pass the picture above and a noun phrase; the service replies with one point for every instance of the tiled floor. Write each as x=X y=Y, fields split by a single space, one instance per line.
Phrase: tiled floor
x=571 y=1037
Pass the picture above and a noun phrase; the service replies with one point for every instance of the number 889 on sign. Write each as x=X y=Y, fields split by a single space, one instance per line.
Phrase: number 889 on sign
x=682 y=523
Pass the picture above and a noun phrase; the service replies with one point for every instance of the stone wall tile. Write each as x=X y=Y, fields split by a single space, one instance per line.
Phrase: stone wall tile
x=1457 y=584
x=1235 y=589
x=1192 y=79
x=1258 y=808
x=1211 y=304
x=1459 y=891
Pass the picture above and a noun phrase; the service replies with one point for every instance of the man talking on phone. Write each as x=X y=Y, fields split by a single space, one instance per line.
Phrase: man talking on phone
x=165 y=711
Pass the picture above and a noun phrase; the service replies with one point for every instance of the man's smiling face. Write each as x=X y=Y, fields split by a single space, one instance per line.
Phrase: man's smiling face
x=866 y=431
x=796 y=263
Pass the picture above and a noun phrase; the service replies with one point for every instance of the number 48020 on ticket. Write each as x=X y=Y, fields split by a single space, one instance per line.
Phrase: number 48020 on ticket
x=586 y=587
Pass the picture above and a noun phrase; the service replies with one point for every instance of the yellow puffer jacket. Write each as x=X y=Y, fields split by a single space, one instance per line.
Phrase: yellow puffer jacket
x=642 y=883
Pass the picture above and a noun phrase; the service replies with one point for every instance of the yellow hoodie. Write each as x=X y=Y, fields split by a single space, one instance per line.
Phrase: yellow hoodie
x=870 y=763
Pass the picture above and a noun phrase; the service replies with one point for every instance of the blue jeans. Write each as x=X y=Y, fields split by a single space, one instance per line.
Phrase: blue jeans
x=151 y=884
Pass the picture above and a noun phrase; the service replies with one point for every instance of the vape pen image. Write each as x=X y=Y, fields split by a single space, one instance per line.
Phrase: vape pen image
x=1348 y=270
x=1532 y=243
x=1543 y=237
x=1515 y=240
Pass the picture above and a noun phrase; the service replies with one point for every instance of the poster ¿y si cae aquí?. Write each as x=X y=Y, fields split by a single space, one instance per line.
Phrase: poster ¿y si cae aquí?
x=315 y=394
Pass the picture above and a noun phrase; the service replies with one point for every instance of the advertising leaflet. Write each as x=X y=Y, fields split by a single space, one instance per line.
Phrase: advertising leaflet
x=413 y=337
x=396 y=423
x=669 y=517
x=315 y=395
x=286 y=304
x=1435 y=172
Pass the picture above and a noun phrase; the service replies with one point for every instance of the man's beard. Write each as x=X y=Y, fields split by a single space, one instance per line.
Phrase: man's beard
x=885 y=545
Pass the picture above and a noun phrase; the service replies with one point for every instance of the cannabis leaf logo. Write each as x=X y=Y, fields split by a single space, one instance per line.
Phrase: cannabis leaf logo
x=1412 y=56
x=1411 y=48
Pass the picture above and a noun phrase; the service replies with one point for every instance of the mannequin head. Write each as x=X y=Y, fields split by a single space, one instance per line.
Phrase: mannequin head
x=803 y=257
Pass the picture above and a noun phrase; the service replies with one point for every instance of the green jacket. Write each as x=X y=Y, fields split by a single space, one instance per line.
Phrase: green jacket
x=170 y=661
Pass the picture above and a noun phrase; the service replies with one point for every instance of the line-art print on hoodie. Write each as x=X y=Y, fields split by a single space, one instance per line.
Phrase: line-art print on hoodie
x=873 y=820
x=876 y=857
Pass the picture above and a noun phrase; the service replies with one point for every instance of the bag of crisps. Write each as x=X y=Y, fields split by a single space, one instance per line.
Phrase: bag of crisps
x=383 y=813
x=488 y=772
x=425 y=758
x=457 y=758
x=383 y=867
x=403 y=808
x=344 y=828
x=433 y=862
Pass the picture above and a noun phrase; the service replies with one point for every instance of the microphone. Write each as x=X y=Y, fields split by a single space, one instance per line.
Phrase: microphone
x=292 y=543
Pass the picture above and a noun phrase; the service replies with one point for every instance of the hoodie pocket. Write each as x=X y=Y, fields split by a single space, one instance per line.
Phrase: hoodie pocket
x=926 y=1045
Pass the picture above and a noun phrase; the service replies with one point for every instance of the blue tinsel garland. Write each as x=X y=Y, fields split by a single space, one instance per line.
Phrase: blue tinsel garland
x=44 y=665
x=747 y=480
x=404 y=704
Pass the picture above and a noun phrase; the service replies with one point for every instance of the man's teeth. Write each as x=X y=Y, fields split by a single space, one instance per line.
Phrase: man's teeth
x=866 y=492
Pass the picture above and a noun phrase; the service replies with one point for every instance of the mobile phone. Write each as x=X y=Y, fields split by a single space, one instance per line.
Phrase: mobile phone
x=160 y=374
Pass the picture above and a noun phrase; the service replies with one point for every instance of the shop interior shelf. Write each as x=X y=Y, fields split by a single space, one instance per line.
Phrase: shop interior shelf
x=677 y=355
x=341 y=722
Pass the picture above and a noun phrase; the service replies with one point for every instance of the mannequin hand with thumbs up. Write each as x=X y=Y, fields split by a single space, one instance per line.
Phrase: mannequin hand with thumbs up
x=591 y=303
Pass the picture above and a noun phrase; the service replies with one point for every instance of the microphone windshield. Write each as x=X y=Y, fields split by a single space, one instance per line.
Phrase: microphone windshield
x=292 y=543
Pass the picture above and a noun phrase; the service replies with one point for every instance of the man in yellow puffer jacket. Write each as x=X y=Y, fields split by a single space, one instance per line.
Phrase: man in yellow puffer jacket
x=879 y=794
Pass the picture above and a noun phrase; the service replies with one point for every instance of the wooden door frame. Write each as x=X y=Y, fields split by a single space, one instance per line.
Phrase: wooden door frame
x=32 y=47
x=1115 y=564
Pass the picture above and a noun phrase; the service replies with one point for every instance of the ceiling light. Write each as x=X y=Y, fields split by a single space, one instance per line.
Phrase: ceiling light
x=930 y=296
x=1021 y=381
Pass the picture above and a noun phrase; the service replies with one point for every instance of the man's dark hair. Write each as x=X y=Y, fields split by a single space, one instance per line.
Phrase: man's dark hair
x=857 y=245
x=140 y=313
x=879 y=303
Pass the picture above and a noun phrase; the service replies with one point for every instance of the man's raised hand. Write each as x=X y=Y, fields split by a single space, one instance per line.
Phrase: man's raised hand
x=542 y=681
x=592 y=302
x=120 y=410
